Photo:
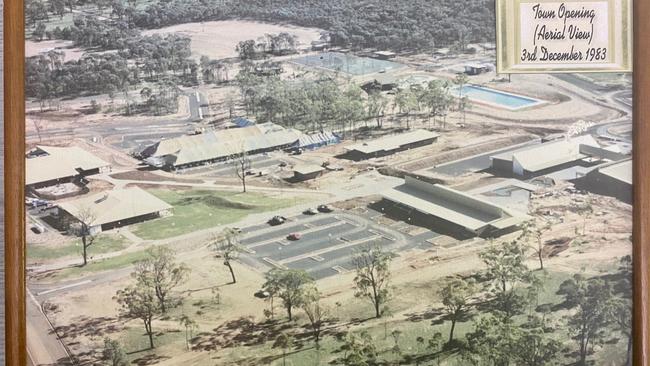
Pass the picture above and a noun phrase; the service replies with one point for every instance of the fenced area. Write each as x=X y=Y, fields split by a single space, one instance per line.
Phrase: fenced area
x=349 y=64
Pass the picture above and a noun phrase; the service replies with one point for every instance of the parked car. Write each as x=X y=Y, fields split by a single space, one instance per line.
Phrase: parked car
x=262 y=294
x=277 y=220
x=282 y=164
x=35 y=202
x=324 y=208
x=294 y=236
x=310 y=211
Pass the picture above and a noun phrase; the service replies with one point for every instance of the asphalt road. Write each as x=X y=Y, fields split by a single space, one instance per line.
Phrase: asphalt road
x=130 y=134
x=43 y=346
x=475 y=163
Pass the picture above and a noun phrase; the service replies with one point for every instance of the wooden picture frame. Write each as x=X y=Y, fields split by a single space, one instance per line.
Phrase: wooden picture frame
x=14 y=150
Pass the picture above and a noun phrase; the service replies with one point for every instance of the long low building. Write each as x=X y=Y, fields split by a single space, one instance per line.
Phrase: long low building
x=391 y=144
x=52 y=165
x=453 y=211
x=116 y=208
x=612 y=179
x=304 y=172
x=536 y=160
x=218 y=145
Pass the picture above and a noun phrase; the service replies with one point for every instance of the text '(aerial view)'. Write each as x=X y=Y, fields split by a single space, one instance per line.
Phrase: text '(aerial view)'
x=321 y=182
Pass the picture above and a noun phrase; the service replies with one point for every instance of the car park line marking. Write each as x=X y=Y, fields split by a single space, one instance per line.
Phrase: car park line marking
x=382 y=235
x=340 y=269
x=327 y=250
x=249 y=251
x=273 y=263
x=303 y=232
x=353 y=223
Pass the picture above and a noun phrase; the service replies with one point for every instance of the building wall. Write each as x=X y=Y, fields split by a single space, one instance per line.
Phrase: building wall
x=130 y=221
x=517 y=169
x=602 y=184
x=51 y=182
x=223 y=158
x=397 y=211
x=502 y=167
x=301 y=177
x=358 y=155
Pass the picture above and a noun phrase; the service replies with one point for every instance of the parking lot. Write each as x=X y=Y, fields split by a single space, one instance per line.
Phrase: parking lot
x=327 y=243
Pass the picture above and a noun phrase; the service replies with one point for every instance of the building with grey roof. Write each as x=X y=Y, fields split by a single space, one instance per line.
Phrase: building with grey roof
x=613 y=179
x=451 y=211
x=51 y=165
x=388 y=145
x=540 y=159
x=304 y=172
x=218 y=145
x=119 y=207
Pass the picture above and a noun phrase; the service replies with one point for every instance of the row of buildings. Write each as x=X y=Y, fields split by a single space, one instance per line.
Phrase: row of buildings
x=220 y=145
x=56 y=173
x=580 y=160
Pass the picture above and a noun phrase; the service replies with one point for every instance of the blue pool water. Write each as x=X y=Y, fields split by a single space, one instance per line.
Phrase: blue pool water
x=495 y=97
x=347 y=63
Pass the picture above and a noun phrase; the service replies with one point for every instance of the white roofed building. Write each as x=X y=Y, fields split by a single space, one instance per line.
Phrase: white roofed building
x=453 y=211
x=218 y=145
x=116 y=208
x=388 y=145
x=539 y=159
x=50 y=165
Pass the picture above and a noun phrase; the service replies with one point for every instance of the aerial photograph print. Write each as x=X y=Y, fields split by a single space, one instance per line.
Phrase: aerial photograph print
x=317 y=182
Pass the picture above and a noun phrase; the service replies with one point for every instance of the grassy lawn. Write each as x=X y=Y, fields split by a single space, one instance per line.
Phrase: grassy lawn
x=196 y=210
x=103 y=244
x=136 y=343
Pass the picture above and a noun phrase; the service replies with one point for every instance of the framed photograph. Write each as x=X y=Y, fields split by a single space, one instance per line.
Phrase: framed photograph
x=342 y=182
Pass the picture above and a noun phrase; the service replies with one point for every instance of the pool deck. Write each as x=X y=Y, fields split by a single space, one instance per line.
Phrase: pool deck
x=534 y=101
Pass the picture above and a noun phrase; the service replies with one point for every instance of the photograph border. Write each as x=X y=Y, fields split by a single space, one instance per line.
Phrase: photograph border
x=14 y=150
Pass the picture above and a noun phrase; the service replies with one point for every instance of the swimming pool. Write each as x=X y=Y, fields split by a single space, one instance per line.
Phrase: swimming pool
x=347 y=63
x=497 y=98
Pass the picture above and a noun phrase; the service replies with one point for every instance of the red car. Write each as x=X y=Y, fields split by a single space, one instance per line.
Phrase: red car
x=294 y=236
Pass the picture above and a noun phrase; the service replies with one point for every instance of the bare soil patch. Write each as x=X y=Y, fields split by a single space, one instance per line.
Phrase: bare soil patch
x=70 y=53
x=218 y=39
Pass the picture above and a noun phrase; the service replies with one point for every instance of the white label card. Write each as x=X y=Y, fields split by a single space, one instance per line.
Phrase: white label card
x=563 y=36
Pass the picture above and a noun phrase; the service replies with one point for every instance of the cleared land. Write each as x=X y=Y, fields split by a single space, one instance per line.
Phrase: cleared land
x=70 y=53
x=218 y=39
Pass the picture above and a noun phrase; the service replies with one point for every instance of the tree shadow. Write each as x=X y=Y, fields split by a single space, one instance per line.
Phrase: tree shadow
x=243 y=331
x=88 y=327
x=150 y=359
x=433 y=314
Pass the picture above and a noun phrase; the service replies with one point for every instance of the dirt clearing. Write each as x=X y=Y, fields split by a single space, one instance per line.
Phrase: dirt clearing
x=218 y=39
